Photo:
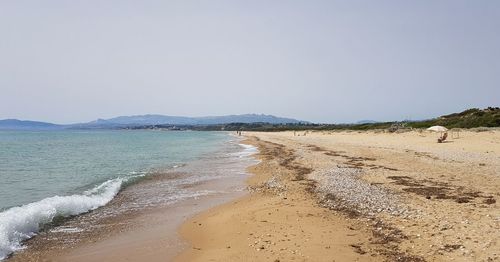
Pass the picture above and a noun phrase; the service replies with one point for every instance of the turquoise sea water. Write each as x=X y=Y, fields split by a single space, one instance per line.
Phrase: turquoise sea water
x=64 y=173
x=36 y=165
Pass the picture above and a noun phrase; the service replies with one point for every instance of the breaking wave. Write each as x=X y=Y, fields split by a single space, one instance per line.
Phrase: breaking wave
x=23 y=222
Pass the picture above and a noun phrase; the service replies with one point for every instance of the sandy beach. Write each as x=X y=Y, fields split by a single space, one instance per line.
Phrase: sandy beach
x=326 y=196
x=141 y=221
x=235 y=131
x=359 y=196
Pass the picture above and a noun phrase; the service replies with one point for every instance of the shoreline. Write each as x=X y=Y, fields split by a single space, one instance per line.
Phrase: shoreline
x=364 y=196
x=150 y=234
x=277 y=221
x=346 y=196
x=52 y=191
x=158 y=241
x=141 y=230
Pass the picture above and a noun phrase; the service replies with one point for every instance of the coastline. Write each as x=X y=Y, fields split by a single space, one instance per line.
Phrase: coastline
x=323 y=196
x=277 y=221
x=359 y=196
x=155 y=238
x=144 y=216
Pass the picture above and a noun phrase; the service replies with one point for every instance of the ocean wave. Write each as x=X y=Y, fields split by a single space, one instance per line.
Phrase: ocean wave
x=248 y=150
x=23 y=222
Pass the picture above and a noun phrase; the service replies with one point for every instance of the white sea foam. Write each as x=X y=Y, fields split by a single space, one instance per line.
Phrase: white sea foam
x=247 y=151
x=20 y=223
x=67 y=230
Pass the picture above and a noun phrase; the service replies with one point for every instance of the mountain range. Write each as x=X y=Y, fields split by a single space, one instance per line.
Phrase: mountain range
x=144 y=120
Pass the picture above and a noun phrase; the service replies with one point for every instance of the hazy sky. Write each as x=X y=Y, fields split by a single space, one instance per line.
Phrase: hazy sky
x=322 y=61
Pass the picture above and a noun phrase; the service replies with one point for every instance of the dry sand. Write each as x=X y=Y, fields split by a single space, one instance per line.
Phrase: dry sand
x=332 y=196
x=355 y=196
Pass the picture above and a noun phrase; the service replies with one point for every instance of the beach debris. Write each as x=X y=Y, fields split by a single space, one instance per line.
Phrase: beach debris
x=274 y=184
x=341 y=188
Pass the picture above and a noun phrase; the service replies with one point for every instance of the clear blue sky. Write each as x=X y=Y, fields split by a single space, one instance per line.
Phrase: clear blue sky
x=322 y=61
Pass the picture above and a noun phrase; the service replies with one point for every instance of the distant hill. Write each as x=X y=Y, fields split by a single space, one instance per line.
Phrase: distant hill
x=143 y=120
x=488 y=117
x=148 y=120
x=139 y=120
x=471 y=118
x=475 y=117
x=247 y=118
x=366 y=122
x=15 y=124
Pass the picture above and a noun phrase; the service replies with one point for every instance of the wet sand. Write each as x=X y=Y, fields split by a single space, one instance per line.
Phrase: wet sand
x=359 y=196
x=148 y=235
x=154 y=238
x=340 y=196
x=141 y=221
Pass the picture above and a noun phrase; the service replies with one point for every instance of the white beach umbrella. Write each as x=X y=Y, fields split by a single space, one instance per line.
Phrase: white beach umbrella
x=437 y=129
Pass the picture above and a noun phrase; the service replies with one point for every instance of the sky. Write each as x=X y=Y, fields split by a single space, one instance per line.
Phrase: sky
x=320 y=61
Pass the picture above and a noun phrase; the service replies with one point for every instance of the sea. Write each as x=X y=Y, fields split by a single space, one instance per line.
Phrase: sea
x=72 y=181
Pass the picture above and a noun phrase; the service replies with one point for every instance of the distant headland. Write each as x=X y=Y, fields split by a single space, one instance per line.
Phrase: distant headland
x=471 y=118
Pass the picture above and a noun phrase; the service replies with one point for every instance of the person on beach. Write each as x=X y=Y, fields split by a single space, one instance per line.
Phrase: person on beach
x=443 y=137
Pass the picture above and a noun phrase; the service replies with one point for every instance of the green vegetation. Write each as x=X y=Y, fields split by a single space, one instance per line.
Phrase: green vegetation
x=489 y=117
x=471 y=118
